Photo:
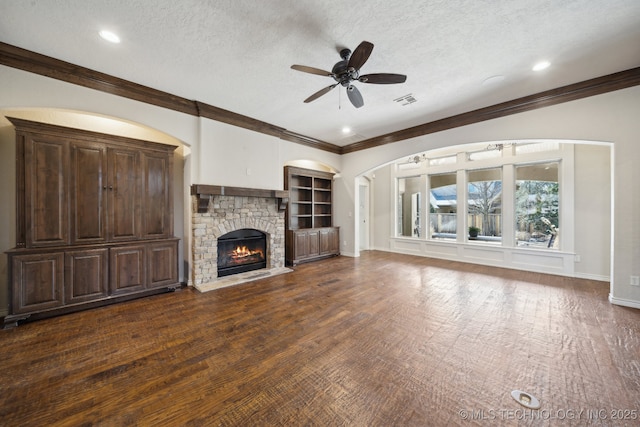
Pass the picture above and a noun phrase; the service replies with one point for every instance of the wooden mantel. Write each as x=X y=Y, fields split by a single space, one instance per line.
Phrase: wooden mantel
x=204 y=192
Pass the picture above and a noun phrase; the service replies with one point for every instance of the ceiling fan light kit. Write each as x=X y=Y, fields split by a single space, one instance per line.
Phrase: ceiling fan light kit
x=347 y=71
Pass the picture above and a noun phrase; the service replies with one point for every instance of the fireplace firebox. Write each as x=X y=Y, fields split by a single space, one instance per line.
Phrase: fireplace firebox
x=241 y=251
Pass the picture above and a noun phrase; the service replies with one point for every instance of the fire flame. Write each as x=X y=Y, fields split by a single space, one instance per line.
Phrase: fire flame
x=243 y=252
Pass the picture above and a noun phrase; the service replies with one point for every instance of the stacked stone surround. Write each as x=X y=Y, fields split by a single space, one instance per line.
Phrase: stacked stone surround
x=230 y=213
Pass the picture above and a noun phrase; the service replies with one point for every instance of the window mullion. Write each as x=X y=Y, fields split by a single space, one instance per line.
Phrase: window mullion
x=508 y=205
x=461 y=218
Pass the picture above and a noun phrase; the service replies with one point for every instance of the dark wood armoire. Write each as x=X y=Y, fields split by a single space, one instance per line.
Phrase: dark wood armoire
x=94 y=220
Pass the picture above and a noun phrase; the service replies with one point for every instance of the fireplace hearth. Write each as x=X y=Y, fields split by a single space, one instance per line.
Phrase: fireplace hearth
x=240 y=251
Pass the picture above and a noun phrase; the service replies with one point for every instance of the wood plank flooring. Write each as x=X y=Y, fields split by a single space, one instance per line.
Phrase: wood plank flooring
x=380 y=340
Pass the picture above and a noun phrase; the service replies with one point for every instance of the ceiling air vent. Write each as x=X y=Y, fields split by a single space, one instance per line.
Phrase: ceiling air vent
x=406 y=100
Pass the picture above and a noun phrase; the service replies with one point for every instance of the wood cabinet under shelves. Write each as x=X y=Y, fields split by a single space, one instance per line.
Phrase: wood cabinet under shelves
x=94 y=220
x=310 y=233
x=44 y=280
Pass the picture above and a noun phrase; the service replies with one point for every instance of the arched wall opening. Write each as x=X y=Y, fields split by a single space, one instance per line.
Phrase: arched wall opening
x=311 y=164
x=587 y=173
x=95 y=123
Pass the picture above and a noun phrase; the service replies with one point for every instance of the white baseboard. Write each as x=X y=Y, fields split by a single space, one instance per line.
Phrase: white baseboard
x=624 y=302
x=349 y=254
x=588 y=276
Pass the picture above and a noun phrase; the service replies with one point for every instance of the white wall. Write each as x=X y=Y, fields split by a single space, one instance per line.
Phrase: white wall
x=593 y=211
x=236 y=157
x=381 y=214
x=7 y=207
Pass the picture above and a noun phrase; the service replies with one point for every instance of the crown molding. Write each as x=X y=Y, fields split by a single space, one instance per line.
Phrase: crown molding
x=47 y=66
x=235 y=119
x=572 y=92
x=26 y=60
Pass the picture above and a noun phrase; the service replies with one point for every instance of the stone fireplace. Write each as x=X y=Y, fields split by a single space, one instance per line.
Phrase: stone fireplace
x=229 y=212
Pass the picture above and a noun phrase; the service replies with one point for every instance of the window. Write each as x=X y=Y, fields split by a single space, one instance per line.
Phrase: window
x=409 y=207
x=443 y=206
x=484 y=199
x=471 y=188
x=537 y=207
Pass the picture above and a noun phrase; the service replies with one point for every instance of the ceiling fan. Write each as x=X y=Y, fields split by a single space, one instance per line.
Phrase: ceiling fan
x=347 y=71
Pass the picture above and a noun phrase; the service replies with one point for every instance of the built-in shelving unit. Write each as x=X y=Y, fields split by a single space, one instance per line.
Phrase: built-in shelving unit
x=310 y=233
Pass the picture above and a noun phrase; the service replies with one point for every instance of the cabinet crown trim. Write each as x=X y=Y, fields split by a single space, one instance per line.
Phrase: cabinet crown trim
x=74 y=134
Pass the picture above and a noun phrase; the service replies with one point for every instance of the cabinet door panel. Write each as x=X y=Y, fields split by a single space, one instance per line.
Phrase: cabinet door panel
x=88 y=189
x=127 y=272
x=334 y=240
x=325 y=241
x=37 y=282
x=329 y=241
x=314 y=242
x=124 y=194
x=157 y=220
x=46 y=189
x=86 y=274
x=301 y=245
x=162 y=264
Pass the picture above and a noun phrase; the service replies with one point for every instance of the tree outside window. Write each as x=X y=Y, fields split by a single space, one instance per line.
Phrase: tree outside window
x=484 y=199
x=537 y=205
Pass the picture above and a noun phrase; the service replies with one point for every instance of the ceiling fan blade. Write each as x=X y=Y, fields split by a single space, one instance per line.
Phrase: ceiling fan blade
x=383 y=78
x=319 y=93
x=360 y=55
x=354 y=96
x=311 y=70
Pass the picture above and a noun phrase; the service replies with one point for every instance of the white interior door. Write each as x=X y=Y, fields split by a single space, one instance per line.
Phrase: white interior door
x=363 y=217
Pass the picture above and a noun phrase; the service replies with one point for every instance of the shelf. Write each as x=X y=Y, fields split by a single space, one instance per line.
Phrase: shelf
x=300 y=181
x=322 y=197
x=322 y=184
x=310 y=234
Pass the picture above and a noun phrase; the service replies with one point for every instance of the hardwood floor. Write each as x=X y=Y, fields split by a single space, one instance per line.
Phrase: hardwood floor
x=380 y=340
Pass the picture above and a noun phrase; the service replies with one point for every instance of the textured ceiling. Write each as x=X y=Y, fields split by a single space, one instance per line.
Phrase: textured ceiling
x=237 y=54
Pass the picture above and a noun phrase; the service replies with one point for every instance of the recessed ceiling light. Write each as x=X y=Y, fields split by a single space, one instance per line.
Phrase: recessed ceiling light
x=541 y=65
x=346 y=129
x=109 y=36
